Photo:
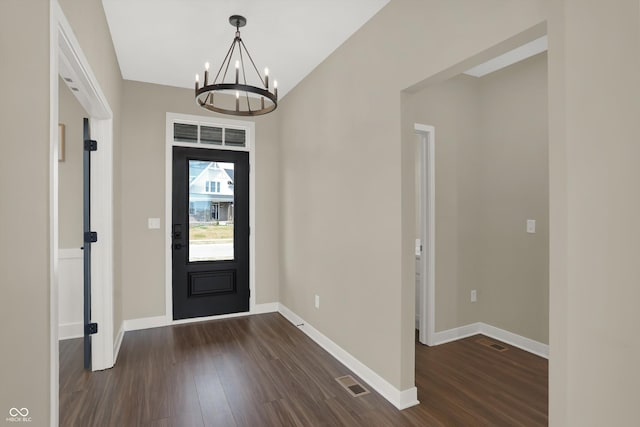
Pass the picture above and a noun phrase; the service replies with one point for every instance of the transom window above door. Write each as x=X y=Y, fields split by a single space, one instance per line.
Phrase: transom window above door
x=197 y=133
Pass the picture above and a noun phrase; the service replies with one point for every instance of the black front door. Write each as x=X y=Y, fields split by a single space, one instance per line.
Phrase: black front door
x=210 y=247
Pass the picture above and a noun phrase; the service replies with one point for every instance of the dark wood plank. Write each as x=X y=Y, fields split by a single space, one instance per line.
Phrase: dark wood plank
x=213 y=401
x=263 y=371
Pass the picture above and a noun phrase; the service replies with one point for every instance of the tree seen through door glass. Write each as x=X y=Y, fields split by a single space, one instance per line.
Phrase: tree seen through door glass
x=210 y=211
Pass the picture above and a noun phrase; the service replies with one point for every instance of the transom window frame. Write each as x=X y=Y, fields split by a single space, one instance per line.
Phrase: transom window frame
x=224 y=124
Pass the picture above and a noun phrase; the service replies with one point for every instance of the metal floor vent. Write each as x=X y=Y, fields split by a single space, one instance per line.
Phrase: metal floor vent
x=492 y=344
x=352 y=386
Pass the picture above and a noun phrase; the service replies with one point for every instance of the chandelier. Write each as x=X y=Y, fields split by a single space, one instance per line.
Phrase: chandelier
x=250 y=100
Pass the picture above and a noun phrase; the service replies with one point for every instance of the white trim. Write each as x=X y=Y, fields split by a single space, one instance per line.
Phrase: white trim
x=69 y=293
x=406 y=398
x=102 y=251
x=428 y=232
x=144 y=323
x=168 y=223
x=523 y=343
x=161 y=321
x=207 y=318
x=69 y=51
x=515 y=340
x=509 y=58
x=401 y=399
x=270 y=307
x=455 y=334
x=72 y=253
x=118 y=343
x=67 y=331
x=250 y=147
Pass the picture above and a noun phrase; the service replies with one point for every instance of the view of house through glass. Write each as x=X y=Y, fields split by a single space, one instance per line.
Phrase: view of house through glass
x=210 y=211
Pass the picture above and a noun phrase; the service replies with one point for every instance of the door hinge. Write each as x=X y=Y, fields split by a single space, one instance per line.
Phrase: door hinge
x=90 y=145
x=90 y=237
x=91 y=328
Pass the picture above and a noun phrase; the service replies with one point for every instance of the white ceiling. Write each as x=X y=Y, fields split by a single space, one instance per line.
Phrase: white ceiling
x=168 y=41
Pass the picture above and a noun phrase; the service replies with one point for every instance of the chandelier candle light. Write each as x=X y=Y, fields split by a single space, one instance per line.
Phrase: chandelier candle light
x=250 y=100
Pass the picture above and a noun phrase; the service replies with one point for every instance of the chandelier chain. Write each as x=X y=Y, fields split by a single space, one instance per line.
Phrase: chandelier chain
x=252 y=63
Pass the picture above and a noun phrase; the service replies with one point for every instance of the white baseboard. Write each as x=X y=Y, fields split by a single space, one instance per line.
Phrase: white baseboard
x=454 y=334
x=515 y=340
x=270 y=307
x=144 y=323
x=67 y=331
x=118 y=343
x=510 y=338
x=401 y=399
x=160 y=321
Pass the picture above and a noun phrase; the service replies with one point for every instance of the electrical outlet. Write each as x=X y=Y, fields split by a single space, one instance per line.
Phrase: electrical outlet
x=474 y=295
x=317 y=301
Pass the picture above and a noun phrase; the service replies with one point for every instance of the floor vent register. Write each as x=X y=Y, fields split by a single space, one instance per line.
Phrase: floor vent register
x=492 y=344
x=352 y=386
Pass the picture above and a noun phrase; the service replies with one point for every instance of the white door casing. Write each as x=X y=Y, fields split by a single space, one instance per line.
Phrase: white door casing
x=427 y=200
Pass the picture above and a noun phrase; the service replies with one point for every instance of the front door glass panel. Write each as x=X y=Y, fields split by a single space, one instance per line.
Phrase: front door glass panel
x=211 y=202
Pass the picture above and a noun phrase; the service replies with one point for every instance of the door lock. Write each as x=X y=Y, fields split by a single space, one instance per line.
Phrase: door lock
x=177 y=246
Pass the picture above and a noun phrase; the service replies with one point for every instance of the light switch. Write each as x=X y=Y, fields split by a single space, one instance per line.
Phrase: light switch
x=154 y=223
x=531 y=226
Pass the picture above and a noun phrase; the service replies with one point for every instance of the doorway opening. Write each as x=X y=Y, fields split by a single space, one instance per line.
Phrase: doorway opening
x=425 y=229
x=69 y=63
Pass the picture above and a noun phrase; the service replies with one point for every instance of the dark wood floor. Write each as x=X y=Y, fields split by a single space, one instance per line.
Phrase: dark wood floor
x=262 y=371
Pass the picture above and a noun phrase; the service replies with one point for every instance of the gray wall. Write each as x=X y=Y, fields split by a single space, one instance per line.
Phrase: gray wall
x=143 y=196
x=453 y=108
x=491 y=176
x=70 y=113
x=514 y=176
x=346 y=115
x=24 y=209
x=594 y=83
